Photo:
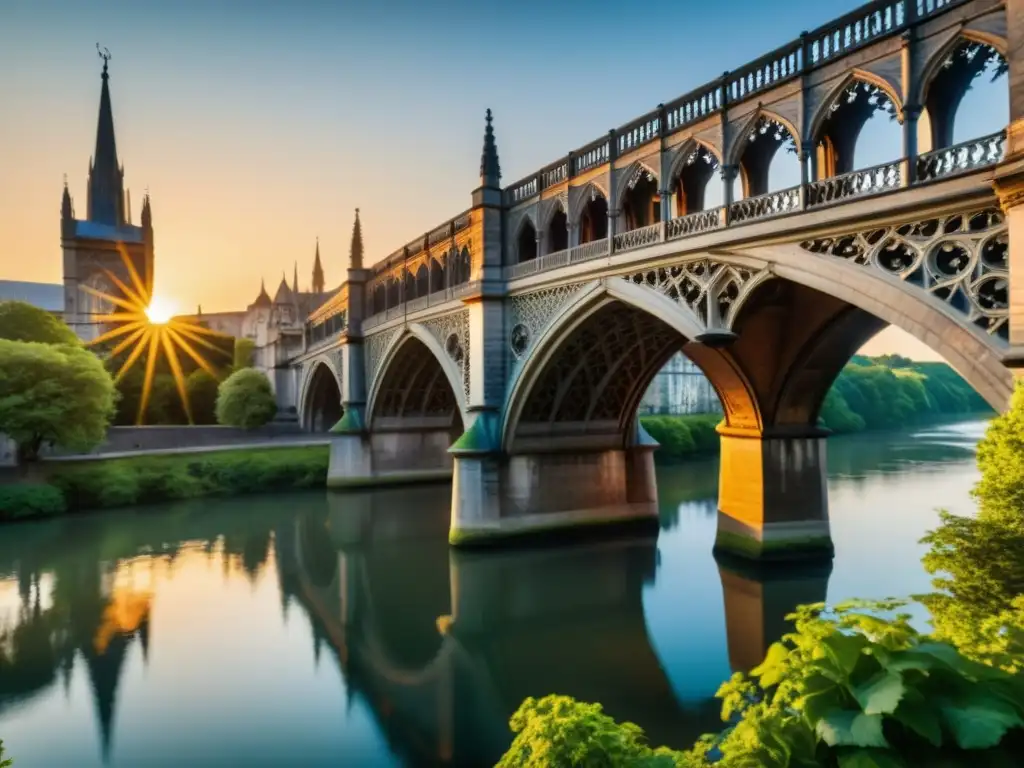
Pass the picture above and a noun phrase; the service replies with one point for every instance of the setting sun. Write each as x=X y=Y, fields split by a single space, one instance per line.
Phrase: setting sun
x=159 y=311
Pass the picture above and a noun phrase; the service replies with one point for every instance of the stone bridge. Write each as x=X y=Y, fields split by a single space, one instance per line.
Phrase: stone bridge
x=496 y=628
x=510 y=347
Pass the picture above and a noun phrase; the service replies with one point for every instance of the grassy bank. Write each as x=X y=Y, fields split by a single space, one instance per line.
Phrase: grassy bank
x=112 y=483
x=887 y=392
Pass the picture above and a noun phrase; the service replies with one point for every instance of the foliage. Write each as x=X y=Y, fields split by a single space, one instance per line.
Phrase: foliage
x=1001 y=461
x=59 y=395
x=23 y=322
x=108 y=483
x=30 y=500
x=243 y=353
x=558 y=731
x=837 y=416
x=4 y=763
x=202 y=396
x=682 y=436
x=245 y=399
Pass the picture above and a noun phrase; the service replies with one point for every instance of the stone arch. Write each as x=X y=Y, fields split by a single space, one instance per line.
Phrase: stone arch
x=736 y=147
x=682 y=154
x=933 y=64
x=550 y=207
x=318 y=409
x=855 y=75
x=585 y=192
x=525 y=234
x=637 y=166
x=667 y=328
x=429 y=361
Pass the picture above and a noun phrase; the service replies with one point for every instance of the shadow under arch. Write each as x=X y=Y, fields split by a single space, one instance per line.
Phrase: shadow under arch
x=321 y=401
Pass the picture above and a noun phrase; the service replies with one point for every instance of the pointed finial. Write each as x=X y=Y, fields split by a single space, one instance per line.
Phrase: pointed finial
x=104 y=53
x=490 y=170
x=65 y=181
x=355 y=251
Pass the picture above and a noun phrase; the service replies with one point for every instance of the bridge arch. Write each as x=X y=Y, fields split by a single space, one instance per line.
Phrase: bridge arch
x=625 y=332
x=320 y=395
x=690 y=171
x=417 y=379
x=754 y=148
x=525 y=240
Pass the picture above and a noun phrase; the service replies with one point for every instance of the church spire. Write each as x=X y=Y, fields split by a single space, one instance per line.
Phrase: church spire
x=355 y=251
x=318 y=271
x=490 y=170
x=106 y=177
x=295 y=279
x=66 y=210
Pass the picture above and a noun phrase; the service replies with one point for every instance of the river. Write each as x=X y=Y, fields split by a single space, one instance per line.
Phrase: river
x=327 y=630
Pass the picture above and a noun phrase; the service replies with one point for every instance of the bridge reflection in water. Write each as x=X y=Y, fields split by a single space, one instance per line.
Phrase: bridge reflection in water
x=446 y=644
x=440 y=645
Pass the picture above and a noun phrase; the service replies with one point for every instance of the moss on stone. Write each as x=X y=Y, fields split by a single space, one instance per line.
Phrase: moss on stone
x=390 y=479
x=557 y=531
x=350 y=423
x=797 y=548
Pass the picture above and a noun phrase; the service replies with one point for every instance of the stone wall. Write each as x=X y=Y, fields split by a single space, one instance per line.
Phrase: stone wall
x=129 y=439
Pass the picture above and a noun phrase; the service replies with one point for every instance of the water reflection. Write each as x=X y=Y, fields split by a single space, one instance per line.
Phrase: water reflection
x=319 y=629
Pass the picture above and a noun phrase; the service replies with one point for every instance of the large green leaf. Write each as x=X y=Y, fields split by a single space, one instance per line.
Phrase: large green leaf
x=881 y=694
x=920 y=717
x=981 y=722
x=844 y=650
x=773 y=668
x=870 y=758
x=851 y=729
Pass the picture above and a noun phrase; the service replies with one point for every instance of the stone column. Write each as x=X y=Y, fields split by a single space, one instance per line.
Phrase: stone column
x=728 y=177
x=772 y=499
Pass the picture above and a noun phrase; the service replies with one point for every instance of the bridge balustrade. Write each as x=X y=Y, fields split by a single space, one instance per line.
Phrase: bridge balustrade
x=869 y=181
x=963 y=157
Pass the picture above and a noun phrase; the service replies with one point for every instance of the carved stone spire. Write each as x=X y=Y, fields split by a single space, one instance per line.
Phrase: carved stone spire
x=106 y=176
x=295 y=279
x=66 y=211
x=490 y=170
x=147 y=213
x=355 y=251
x=318 y=271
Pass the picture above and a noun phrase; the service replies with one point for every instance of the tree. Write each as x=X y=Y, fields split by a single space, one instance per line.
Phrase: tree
x=202 y=396
x=1001 y=461
x=55 y=394
x=23 y=322
x=245 y=399
x=4 y=763
x=243 y=353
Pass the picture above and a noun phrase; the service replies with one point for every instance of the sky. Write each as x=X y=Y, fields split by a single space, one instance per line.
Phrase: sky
x=257 y=132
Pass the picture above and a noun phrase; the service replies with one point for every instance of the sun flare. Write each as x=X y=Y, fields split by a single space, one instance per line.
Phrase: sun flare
x=160 y=311
x=146 y=325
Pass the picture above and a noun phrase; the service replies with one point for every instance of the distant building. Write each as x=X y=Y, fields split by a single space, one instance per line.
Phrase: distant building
x=680 y=388
x=47 y=296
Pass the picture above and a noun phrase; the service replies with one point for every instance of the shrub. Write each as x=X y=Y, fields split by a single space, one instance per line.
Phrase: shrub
x=682 y=437
x=53 y=394
x=23 y=322
x=30 y=500
x=202 y=396
x=245 y=400
x=4 y=763
x=1001 y=460
x=243 y=353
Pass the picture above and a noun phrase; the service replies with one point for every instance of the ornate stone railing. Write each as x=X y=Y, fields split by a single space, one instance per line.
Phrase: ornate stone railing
x=693 y=223
x=765 y=206
x=863 y=26
x=870 y=181
x=415 y=305
x=638 y=238
x=962 y=158
x=587 y=251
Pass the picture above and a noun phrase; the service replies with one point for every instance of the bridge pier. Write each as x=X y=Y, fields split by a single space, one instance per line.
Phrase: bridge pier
x=773 y=495
x=394 y=457
x=499 y=497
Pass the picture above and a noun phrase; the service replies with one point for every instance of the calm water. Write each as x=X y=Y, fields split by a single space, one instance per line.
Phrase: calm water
x=327 y=630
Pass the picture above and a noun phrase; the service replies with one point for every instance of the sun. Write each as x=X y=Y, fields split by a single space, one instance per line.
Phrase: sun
x=160 y=311
x=146 y=324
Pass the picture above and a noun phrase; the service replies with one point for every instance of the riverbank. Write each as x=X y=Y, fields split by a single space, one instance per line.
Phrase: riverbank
x=96 y=484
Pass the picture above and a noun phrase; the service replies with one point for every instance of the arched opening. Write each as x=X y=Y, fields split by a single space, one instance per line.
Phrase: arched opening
x=957 y=111
x=641 y=202
x=463 y=267
x=680 y=388
x=378 y=299
x=394 y=292
x=594 y=218
x=437 y=276
x=416 y=393
x=768 y=159
x=526 y=242
x=690 y=183
x=860 y=130
x=422 y=281
x=323 y=400
x=408 y=285
x=558 y=232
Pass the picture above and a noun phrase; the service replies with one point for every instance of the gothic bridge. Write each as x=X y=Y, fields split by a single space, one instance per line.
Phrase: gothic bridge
x=510 y=346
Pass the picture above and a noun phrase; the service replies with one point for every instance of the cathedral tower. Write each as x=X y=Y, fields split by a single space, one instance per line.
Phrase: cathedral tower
x=96 y=242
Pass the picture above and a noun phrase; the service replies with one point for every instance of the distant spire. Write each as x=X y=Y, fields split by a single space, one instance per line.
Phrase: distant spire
x=106 y=176
x=147 y=212
x=66 y=211
x=318 y=271
x=295 y=278
x=490 y=170
x=355 y=251
x=263 y=299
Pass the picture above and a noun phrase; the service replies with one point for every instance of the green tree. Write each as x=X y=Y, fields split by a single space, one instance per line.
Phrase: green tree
x=4 y=763
x=837 y=416
x=1001 y=461
x=23 y=322
x=202 y=396
x=243 y=353
x=50 y=394
x=245 y=399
